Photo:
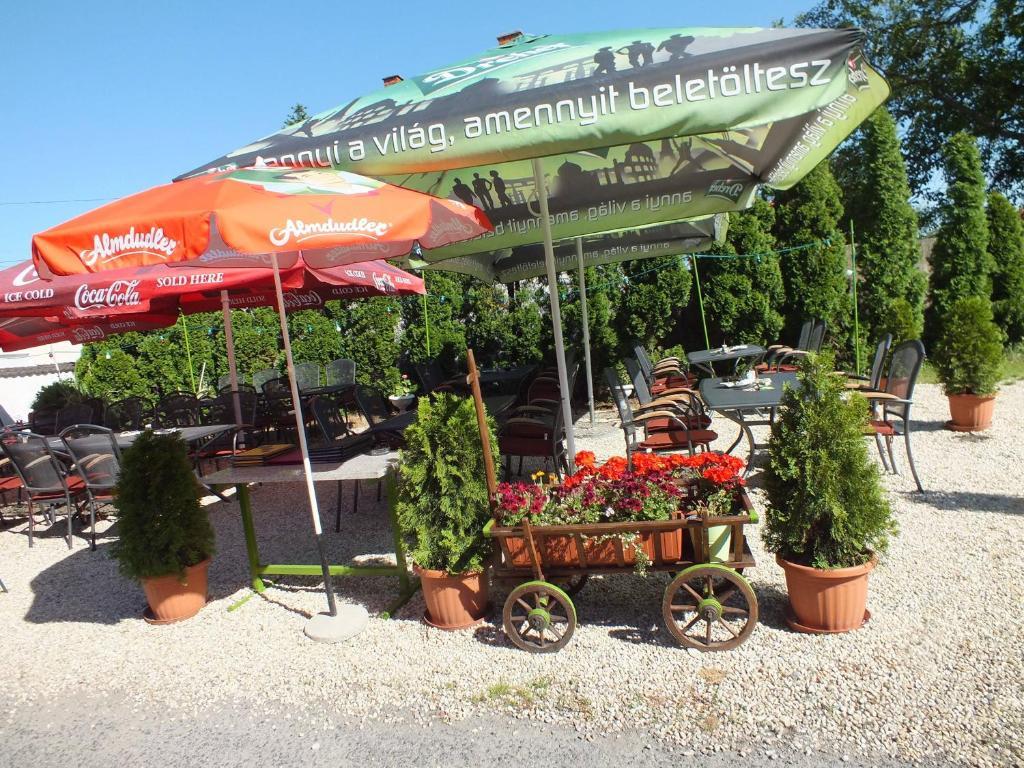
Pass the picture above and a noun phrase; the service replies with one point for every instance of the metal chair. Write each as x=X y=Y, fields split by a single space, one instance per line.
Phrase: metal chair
x=874 y=377
x=262 y=377
x=639 y=438
x=786 y=359
x=307 y=376
x=682 y=399
x=667 y=373
x=76 y=413
x=179 y=409
x=340 y=373
x=333 y=425
x=97 y=461
x=124 y=414
x=539 y=434
x=895 y=403
x=45 y=478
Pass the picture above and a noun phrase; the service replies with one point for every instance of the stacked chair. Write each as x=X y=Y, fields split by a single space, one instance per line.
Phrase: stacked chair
x=667 y=373
x=97 y=462
x=780 y=357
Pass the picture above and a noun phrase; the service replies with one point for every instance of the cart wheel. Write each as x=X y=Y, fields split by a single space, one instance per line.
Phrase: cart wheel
x=710 y=608
x=573 y=584
x=539 y=617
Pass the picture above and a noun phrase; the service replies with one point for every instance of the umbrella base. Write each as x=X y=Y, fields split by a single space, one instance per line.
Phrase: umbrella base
x=350 y=621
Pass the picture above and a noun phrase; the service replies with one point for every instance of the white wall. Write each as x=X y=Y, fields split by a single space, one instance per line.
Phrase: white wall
x=17 y=394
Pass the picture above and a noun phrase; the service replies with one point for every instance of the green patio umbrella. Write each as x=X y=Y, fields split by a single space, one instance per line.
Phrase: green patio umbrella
x=561 y=136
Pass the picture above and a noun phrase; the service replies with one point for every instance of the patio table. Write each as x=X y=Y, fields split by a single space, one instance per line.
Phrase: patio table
x=705 y=359
x=505 y=381
x=746 y=406
x=362 y=467
x=199 y=436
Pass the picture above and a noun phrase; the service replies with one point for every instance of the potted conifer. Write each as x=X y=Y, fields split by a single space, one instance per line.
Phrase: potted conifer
x=968 y=356
x=166 y=540
x=443 y=503
x=827 y=518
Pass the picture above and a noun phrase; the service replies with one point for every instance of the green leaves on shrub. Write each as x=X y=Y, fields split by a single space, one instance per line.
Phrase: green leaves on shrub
x=55 y=396
x=1006 y=246
x=162 y=527
x=969 y=351
x=826 y=506
x=442 y=501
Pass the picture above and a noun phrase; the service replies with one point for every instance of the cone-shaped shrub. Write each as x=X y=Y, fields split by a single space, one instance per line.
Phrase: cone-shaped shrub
x=969 y=352
x=826 y=507
x=162 y=527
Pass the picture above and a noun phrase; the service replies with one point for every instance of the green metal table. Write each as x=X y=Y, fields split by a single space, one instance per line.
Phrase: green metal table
x=364 y=467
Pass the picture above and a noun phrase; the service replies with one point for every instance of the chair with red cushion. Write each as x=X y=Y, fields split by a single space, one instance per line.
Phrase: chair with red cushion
x=46 y=478
x=536 y=434
x=9 y=483
x=678 y=437
x=892 y=405
x=685 y=400
x=97 y=462
x=667 y=373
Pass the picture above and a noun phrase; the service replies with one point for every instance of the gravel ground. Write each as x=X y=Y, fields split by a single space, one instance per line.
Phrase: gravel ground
x=934 y=678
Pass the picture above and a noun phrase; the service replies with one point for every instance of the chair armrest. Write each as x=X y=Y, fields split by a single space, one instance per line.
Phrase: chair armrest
x=886 y=397
x=678 y=391
x=642 y=417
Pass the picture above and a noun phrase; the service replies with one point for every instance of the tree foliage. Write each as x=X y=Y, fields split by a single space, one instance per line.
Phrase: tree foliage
x=443 y=501
x=1006 y=247
x=873 y=177
x=960 y=261
x=815 y=278
x=653 y=299
x=743 y=297
x=954 y=66
x=298 y=114
x=826 y=506
x=162 y=528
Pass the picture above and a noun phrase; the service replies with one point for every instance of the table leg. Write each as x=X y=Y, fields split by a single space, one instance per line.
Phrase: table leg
x=245 y=504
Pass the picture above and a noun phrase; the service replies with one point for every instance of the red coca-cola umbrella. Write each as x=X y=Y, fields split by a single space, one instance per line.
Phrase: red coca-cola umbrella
x=26 y=332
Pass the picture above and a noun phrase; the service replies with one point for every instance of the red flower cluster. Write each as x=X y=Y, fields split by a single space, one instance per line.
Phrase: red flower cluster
x=718 y=468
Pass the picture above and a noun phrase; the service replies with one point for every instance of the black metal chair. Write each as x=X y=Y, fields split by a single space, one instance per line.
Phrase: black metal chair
x=340 y=373
x=893 y=404
x=76 y=413
x=787 y=359
x=125 y=414
x=262 y=377
x=307 y=376
x=97 y=461
x=45 y=477
x=874 y=377
x=178 y=409
x=537 y=434
x=639 y=438
x=685 y=400
x=667 y=373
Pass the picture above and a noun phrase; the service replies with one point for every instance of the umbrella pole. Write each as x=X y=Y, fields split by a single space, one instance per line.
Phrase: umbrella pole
x=307 y=470
x=700 y=300
x=229 y=340
x=586 y=327
x=556 y=314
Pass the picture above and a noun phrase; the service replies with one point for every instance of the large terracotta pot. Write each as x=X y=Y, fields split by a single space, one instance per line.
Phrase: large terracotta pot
x=172 y=598
x=971 y=413
x=827 y=600
x=454 y=601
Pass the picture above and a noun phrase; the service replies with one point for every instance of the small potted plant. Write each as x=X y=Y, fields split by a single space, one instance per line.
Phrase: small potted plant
x=968 y=356
x=166 y=540
x=404 y=393
x=827 y=517
x=443 y=503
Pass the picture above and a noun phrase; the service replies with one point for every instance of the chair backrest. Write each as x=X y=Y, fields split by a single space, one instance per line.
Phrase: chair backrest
x=646 y=365
x=124 y=414
x=223 y=381
x=881 y=351
x=805 y=334
x=622 y=406
x=242 y=387
x=372 y=404
x=329 y=418
x=636 y=375
x=430 y=374
x=307 y=375
x=901 y=376
x=817 y=336
x=180 y=409
x=341 y=373
x=77 y=413
x=34 y=462
x=95 y=453
x=262 y=377
x=277 y=387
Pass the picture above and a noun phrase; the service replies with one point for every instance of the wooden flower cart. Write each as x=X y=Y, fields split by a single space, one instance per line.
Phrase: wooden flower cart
x=708 y=605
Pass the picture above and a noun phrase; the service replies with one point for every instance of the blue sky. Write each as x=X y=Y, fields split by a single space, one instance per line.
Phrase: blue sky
x=103 y=99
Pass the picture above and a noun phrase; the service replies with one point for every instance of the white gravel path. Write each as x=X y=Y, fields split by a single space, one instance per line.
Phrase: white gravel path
x=935 y=677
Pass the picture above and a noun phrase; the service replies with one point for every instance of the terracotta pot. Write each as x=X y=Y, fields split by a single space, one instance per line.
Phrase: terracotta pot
x=172 y=598
x=454 y=601
x=827 y=600
x=971 y=413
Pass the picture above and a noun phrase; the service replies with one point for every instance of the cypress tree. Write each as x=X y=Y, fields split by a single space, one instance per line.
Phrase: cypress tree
x=445 y=299
x=743 y=297
x=815 y=278
x=369 y=337
x=1006 y=247
x=654 y=298
x=603 y=287
x=960 y=262
x=873 y=177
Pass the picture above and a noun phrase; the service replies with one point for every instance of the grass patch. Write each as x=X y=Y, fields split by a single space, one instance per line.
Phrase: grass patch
x=520 y=695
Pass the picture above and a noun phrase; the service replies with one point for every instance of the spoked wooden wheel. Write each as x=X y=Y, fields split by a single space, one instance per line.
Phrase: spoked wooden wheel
x=539 y=617
x=710 y=608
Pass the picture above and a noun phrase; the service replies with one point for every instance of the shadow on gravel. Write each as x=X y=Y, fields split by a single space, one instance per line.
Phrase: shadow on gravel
x=771 y=605
x=971 y=501
x=84 y=587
